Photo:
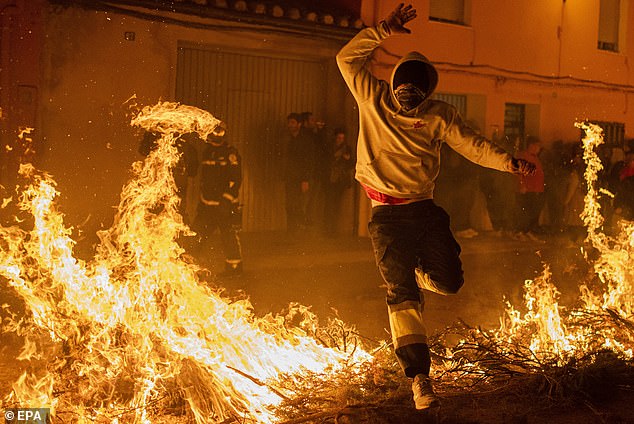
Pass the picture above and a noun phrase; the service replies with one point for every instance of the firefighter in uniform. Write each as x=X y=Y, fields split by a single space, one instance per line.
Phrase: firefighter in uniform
x=219 y=207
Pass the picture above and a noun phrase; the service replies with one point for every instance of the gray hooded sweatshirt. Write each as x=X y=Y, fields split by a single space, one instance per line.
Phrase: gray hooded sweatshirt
x=398 y=152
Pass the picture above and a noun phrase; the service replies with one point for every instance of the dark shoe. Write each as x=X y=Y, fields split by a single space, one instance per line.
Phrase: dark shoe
x=424 y=396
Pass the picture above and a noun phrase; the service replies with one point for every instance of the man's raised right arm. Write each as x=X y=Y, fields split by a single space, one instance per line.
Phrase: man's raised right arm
x=353 y=59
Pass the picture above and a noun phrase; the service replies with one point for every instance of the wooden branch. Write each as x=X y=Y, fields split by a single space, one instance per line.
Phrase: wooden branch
x=259 y=382
x=619 y=319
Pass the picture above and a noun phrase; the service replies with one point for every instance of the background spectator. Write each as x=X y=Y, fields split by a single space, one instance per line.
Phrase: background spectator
x=315 y=130
x=455 y=190
x=556 y=164
x=530 y=192
x=340 y=175
x=498 y=189
x=299 y=168
x=624 y=196
x=573 y=201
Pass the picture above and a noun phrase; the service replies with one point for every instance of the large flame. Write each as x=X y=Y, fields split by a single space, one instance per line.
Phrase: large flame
x=548 y=335
x=134 y=326
x=569 y=335
x=133 y=330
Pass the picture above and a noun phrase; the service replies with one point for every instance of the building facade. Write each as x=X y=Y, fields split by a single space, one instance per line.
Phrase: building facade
x=72 y=70
x=547 y=62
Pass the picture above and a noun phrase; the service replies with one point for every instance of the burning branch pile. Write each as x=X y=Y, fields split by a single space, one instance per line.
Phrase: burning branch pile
x=133 y=331
x=133 y=334
x=545 y=355
x=563 y=353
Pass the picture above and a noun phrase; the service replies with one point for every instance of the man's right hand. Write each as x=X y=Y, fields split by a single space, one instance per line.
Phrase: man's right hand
x=396 y=20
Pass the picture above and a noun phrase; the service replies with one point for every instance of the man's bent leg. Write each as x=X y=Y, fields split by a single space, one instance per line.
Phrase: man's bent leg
x=439 y=266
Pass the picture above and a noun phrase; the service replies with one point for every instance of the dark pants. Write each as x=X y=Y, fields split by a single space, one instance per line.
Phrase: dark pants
x=334 y=196
x=530 y=207
x=406 y=238
x=225 y=220
x=296 y=204
x=498 y=189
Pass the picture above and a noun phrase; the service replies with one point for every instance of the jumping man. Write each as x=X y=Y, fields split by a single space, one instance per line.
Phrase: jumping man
x=398 y=157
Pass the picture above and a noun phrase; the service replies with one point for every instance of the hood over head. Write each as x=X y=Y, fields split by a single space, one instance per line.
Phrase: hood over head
x=416 y=69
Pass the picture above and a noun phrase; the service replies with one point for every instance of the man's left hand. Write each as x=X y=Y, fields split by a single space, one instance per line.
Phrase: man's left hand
x=522 y=167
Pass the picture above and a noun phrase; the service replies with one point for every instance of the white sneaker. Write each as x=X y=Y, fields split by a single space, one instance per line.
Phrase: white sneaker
x=424 y=396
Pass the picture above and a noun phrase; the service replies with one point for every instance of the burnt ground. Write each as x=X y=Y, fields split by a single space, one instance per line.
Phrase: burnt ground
x=340 y=274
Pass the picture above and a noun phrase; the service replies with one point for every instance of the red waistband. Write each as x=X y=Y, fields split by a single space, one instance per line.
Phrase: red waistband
x=383 y=198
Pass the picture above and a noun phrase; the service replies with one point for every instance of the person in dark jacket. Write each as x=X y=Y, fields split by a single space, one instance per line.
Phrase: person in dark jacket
x=219 y=207
x=299 y=171
x=624 y=195
x=315 y=129
x=340 y=167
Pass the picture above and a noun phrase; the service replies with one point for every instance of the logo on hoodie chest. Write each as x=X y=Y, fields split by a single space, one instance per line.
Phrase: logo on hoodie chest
x=417 y=125
x=419 y=129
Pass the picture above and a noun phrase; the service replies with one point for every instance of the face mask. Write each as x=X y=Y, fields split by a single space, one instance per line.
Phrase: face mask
x=409 y=96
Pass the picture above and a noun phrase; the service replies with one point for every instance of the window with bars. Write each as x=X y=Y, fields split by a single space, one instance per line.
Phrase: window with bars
x=452 y=11
x=515 y=124
x=609 y=18
x=613 y=133
x=457 y=100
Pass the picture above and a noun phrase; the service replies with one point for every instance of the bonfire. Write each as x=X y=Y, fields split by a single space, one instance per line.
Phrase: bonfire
x=134 y=335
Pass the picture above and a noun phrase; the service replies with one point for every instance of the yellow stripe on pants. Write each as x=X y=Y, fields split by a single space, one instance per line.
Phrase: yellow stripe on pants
x=406 y=324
